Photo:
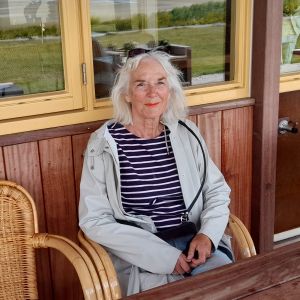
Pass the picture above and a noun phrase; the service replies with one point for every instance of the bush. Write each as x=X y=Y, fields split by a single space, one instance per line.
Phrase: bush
x=28 y=32
x=123 y=24
x=206 y=13
x=290 y=7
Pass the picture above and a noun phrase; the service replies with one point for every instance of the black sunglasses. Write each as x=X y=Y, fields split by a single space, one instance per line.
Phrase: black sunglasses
x=137 y=51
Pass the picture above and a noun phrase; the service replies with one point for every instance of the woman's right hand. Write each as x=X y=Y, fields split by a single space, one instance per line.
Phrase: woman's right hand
x=182 y=265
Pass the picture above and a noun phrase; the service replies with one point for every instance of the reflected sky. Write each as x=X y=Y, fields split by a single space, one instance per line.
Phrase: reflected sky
x=13 y=10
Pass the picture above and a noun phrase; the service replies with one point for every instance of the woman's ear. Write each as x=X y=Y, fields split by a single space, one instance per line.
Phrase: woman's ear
x=127 y=99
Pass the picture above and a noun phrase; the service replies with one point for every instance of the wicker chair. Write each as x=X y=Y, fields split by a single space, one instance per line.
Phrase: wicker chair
x=104 y=266
x=244 y=248
x=18 y=239
x=243 y=245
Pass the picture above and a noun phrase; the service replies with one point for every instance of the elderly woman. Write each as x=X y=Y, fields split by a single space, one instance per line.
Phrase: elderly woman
x=144 y=168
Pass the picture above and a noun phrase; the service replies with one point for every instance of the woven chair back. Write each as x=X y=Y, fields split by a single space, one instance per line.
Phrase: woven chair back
x=17 y=258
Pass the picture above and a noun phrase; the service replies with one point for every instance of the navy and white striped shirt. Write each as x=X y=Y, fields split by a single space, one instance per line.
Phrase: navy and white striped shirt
x=149 y=178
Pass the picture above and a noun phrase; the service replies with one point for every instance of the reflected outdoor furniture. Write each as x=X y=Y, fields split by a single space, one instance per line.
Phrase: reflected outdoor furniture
x=103 y=264
x=19 y=237
x=105 y=65
x=290 y=34
x=180 y=56
x=10 y=89
x=104 y=267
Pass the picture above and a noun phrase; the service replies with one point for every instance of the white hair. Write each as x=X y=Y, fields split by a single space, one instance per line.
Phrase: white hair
x=176 y=108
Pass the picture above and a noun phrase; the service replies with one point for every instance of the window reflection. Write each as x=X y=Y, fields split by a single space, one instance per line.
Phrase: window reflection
x=290 y=49
x=30 y=48
x=195 y=33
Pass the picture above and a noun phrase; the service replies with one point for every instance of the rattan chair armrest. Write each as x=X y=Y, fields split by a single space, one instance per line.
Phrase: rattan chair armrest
x=44 y=240
x=90 y=265
x=239 y=237
x=97 y=263
x=96 y=250
x=246 y=234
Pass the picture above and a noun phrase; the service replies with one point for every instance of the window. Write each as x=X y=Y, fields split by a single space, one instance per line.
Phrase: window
x=59 y=58
x=36 y=58
x=198 y=35
x=207 y=40
x=31 y=52
x=120 y=29
x=290 y=46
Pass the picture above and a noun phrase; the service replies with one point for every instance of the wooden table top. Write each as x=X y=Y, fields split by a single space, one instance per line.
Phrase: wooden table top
x=265 y=276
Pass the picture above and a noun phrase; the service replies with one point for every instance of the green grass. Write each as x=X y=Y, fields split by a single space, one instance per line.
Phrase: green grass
x=207 y=45
x=34 y=66
x=37 y=67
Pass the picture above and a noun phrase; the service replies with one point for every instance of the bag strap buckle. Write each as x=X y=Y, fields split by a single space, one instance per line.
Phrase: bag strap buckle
x=184 y=217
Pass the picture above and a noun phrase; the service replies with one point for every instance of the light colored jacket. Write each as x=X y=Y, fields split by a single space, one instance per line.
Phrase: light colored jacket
x=141 y=259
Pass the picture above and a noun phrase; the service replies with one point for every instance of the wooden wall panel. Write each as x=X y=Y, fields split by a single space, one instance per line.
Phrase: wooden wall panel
x=49 y=166
x=210 y=128
x=61 y=211
x=2 y=168
x=79 y=143
x=237 y=159
x=287 y=204
x=23 y=167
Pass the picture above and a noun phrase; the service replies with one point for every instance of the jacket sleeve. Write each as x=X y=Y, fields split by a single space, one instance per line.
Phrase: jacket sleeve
x=97 y=220
x=215 y=195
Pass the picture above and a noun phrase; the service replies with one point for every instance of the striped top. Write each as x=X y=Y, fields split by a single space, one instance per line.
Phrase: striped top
x=149 y=178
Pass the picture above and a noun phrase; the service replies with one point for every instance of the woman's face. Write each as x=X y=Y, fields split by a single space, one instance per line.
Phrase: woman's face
x=148 y=91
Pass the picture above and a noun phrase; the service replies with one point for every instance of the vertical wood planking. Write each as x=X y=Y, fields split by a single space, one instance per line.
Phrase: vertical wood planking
x=2 y=168
x=51 y=171
x=79 y=143
x=210 y=128
x=287 y=208
x=237 y=159
x=23 y=167
x=60 y=202
x=193 y=118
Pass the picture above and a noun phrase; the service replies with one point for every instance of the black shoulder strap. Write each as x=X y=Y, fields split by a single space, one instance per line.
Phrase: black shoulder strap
x=185 y=216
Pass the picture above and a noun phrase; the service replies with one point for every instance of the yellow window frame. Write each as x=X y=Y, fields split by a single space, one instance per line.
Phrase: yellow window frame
x=72 y=96
x=77 y=104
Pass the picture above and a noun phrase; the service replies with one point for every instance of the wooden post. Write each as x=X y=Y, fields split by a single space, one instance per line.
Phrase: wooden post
x=267 y=27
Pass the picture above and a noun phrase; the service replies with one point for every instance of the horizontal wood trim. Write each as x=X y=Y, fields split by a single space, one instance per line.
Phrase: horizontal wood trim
x=43 y=134
x=214 y=107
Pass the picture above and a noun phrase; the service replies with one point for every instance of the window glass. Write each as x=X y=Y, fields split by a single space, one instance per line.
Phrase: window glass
x=30 y=48
x=195 y=33
x=290 y=42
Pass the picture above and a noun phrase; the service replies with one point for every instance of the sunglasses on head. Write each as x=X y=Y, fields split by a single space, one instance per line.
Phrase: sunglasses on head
x=137 y=51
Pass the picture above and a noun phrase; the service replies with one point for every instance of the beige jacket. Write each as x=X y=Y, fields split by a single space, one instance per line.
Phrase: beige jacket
x=142 y=260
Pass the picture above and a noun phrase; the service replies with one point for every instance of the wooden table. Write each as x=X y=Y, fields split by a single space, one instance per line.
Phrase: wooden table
x=274 y=275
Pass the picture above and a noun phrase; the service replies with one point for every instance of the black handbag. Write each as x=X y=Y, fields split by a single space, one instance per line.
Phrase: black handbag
x=185 y=229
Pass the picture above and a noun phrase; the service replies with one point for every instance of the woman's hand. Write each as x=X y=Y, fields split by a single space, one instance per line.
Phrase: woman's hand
x=182 y=265
x=202 y=245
